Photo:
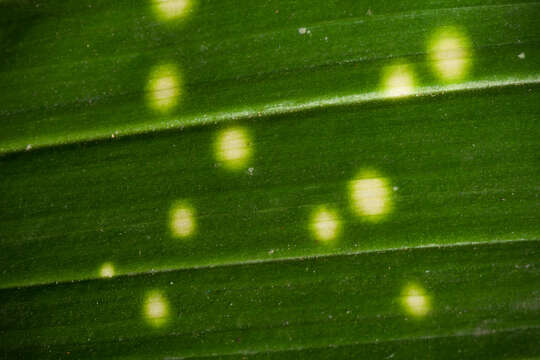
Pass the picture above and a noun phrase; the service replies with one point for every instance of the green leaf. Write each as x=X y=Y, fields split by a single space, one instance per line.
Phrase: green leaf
x=277 y=179
x=478 y=301
x=79 y=70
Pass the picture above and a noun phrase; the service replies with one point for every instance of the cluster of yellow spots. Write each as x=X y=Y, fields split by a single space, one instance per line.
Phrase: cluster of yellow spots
x=369 y=194
x=163 y=95
x=164 y=92
x=370 y=198
x=164 y=87
x=155 y=305
x=449 y=52
x=233 y=149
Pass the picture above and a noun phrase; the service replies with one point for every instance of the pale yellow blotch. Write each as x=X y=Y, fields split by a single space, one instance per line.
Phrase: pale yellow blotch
x=182 y=220
x=415 y=300
x=370 y=195
x=450 y=53
x=156 y=308
x=398 y=80
x=325 y=224
x=106 y=270
x=164 y=88
x=233 y=148
x=171 y=9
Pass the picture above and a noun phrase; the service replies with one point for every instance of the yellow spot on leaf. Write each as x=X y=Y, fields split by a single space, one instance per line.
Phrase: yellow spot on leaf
x=398 y=80
x=182 y=220
x=233 y=148
x=164 y=88
x=171 y=9
x=325 y=224
x=370 y=195
x=415 y=300
x=107 y=270
x=450 y=53
x=156 y=308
